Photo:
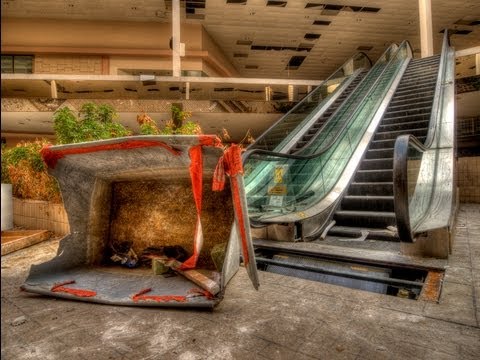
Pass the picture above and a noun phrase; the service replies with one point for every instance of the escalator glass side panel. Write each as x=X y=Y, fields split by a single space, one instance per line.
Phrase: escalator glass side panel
x=307 y=181
x=277 y=136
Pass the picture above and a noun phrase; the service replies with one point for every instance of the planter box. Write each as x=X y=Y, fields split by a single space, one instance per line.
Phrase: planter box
x=7 y=207
x=36 y=214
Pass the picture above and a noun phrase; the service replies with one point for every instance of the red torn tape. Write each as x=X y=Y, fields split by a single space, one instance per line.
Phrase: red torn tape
x=77 y=292
x=158 y=298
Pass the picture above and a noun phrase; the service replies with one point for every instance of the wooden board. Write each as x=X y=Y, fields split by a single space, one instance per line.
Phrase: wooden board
x=18 y=239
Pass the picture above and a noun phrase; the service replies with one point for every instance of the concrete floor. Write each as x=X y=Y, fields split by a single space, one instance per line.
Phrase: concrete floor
x=287 y=318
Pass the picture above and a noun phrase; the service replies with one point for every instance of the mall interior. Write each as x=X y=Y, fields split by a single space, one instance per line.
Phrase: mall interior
x=412 y=68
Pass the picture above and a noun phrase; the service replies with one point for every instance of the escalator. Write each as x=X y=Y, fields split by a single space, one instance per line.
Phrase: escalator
x=305 y=177
x=375 y=187
x=369 y=204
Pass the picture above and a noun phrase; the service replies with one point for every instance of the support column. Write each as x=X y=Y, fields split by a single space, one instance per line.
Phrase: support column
x=477 y=64
x=425 y=20
x=53 y=89
x=187 y=90
x=176 y=67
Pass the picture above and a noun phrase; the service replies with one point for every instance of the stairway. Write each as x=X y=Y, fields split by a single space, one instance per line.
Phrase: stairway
x=368 y=203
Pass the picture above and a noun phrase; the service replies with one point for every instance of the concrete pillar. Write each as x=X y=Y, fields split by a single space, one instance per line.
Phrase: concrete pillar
x=176 y=67
x=53 y=89
x=426 y=34
x=187 y=90
x=292 y=93
x=268 y=93
x=477 y=64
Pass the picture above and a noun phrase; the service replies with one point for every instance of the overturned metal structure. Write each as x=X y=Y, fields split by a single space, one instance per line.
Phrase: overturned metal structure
x=149 y=191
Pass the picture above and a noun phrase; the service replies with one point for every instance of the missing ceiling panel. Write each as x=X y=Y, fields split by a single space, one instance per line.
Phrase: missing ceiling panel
x=313 y=5
x=468 y=21
x=370 y=9
x=301 y=47
x=457 y=31
x=191 y=7
x=304 y=47
x=321 y=22
x=311 y=36
x=196 y=16
x=244 y=42
x=276 y=3
x=331 y=10
x=364 y=48
x=352 y=8
x=241 y=2
x=295 y=62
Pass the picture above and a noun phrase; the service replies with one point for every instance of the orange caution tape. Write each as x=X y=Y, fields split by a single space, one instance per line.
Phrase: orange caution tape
x=158 y=298
x=201 y=292
x=77 y=292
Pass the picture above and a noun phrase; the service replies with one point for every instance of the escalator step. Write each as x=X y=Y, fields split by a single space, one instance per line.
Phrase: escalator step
x=394 y=134
x=374 y=219
x=410 y=105
x=372 y=164
x=378 y=175
x=404 y=119
x=404 y=125
x=412 y=111
x=376 y=202
x=356 y=232
x=371 y=188
x=382 y=144
x=379 y=153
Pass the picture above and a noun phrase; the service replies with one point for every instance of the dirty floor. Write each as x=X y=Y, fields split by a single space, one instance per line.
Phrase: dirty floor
x=287 y=318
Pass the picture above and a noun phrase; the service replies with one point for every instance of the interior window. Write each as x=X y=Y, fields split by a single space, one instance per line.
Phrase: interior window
x=17 y=64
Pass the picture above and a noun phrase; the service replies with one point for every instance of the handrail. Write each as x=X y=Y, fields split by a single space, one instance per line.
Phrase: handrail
x=294 y=139
x=266 y=132
x=436 y=108
x=401 y=152
x=400 y=183
x=248 y=153
x=317 y=134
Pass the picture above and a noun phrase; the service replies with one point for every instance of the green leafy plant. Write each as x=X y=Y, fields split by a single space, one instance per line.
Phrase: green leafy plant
x=93 y=122
x=177 y=125
x=147 y=125
x=23 y=167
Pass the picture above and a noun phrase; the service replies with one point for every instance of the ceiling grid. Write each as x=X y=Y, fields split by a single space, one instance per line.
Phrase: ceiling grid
x=281 y=24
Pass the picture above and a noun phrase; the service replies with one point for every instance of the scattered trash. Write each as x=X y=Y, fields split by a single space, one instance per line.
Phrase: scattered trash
x=403 y=293
x=392 y=229
x=159 y=267
x=124 y=255
x=196 y=276
x=173 y=252
x=19 y=321
x=327 y=229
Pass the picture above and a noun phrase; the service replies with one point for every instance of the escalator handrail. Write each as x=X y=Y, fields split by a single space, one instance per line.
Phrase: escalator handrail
x=400 y=183
x=324 y=125
x=248 y=153
x=317 y=134
x=266 y=132
x=439 y=89
x=402 y=144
